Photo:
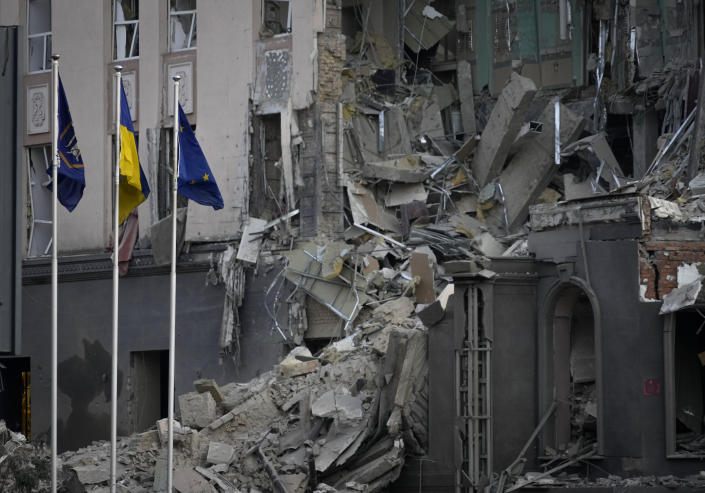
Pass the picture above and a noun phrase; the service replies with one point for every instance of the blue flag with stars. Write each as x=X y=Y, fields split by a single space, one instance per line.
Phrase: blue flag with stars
x=195 y=178
x=70 y=173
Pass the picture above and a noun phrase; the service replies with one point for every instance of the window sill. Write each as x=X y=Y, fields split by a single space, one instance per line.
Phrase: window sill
x=181 y=50
x=43 y=71
x=685 y=455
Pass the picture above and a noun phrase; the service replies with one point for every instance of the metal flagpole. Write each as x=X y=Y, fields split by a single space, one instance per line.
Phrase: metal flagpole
x=54 y=257
x=116 y=233
x=172 y=317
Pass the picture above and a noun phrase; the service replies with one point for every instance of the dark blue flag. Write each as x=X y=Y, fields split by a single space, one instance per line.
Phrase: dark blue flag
x=70 y=173
x=195 y=178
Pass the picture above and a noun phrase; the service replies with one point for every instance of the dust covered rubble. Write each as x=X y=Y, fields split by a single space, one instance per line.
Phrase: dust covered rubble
x=341 y=420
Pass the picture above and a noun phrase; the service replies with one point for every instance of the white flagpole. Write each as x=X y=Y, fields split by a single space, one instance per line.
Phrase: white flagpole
x=54 y=258
x=172 y=317
x=116 y=243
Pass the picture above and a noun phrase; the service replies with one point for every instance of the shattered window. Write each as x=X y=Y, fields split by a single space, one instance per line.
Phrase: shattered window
x=276 y=17
x=39 y=35
x=182 y=24
x=39 y=213
x=126 y=29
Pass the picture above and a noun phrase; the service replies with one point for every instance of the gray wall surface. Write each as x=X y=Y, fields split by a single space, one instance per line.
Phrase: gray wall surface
x=85 y=314
x=9 y=172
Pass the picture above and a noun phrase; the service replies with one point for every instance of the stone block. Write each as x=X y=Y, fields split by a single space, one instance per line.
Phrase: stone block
x=197 y=410
x=220 y=453
x=209 y=385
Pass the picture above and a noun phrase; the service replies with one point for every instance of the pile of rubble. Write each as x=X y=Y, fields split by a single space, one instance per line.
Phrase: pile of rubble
x=342 y=420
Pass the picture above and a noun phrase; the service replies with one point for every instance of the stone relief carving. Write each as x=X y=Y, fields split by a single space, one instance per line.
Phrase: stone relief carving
x=38 y=109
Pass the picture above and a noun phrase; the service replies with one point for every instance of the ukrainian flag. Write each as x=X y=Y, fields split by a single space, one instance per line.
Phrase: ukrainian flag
x=133 y=185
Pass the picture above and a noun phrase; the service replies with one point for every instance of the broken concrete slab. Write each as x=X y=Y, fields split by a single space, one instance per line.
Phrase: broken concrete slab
x=487 y=245
x=337 y=403
x=504 y=123
x=697 y=184
x=406 y=169
x=220 y=453
x=251 y=240
x=93 y=473
x=531 y=169
x=209 y=385
x=197 y=410
x=186 y=480
x=465 y=94
x=340 y=437
x=422 y=31
x=395 y=310
x=365 y=209
x=405 y=193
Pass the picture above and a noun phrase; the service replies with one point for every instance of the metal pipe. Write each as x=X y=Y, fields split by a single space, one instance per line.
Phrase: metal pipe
x=172 y=299
x=54 y=259
x=563 y=19
x=116 y=273
x=557 y=134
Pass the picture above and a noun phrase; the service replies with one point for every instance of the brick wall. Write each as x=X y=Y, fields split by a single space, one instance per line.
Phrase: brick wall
x=659 y=263
x=322 y=211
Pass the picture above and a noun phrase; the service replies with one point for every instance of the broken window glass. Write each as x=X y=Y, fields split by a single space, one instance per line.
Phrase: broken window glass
x=182 y=24
x=39 y=35
x=276 y=17
x=126 y=28
x=39 y=159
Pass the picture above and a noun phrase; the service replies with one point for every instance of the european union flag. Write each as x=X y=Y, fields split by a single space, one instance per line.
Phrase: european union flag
x=195 y=178
x=70 y=173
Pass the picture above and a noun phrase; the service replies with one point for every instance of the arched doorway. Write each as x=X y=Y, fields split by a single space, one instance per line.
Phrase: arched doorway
x=569 y=368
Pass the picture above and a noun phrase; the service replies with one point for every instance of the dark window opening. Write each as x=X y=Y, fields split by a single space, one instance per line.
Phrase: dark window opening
x=689 y=382
x=16 y=395
x=620 y=140
x=267 y=195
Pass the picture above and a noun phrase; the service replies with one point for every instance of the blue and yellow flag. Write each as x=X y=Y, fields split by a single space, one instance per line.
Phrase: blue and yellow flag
x=133 y=185
x=196 y=181
x=71 y=179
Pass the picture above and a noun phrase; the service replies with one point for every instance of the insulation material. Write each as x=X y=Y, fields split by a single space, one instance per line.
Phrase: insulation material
x=232 y=274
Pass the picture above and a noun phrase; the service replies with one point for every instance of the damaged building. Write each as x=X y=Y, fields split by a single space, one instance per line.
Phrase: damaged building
x=462 y=246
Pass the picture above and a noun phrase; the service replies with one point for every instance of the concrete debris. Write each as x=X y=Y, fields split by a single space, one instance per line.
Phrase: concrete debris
x=209 y=385
x=197 y=410
x=348 y=424
x=502 y=128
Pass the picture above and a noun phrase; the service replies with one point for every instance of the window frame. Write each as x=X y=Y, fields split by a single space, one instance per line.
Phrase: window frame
x=176 y=13
x=46 y=64
x=135 y=36
x=288 y=27
x=36 y=174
